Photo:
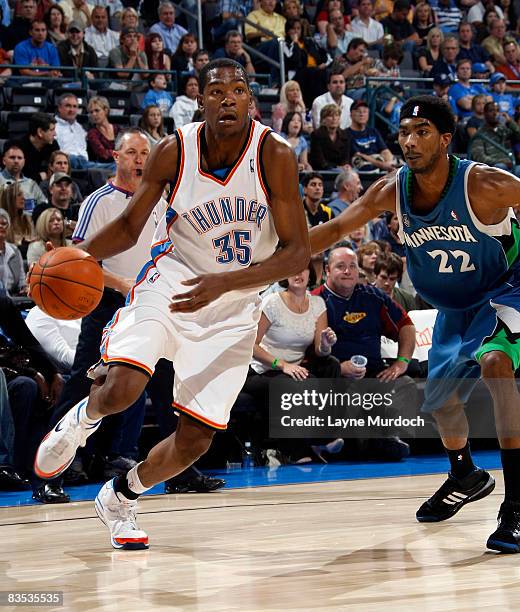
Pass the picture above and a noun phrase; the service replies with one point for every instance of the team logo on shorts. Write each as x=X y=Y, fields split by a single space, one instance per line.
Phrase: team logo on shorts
x=153 y=278
x=354 y=317
x=406 y=220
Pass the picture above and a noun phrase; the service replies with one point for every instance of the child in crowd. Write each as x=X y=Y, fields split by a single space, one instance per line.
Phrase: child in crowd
x=506 y=101
x=157 y=94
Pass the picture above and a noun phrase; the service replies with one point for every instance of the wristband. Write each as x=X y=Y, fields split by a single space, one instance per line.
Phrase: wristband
x=275 y=363
x=404 y=359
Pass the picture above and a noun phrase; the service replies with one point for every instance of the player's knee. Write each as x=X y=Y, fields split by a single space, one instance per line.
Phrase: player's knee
x=193 y=441
x=496 y=364
x=117 y=395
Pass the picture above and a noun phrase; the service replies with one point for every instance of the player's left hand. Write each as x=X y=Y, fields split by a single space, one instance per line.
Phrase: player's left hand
x=206 y=289
x=398 y=368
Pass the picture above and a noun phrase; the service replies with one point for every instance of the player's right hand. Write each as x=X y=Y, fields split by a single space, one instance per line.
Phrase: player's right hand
x=48 y=247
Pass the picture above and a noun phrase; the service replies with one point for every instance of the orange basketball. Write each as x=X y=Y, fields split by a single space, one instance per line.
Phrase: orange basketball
x=66 y=283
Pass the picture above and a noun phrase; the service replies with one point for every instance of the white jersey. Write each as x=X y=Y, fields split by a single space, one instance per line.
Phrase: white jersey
x=103 y=206
x=215 y=222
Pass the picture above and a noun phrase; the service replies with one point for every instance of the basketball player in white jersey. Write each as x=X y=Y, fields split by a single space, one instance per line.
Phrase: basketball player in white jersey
x=233 y=198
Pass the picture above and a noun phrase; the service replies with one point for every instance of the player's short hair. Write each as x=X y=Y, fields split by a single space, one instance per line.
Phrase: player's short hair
x=310 y=176
x=129 y=131
x=221 y=62
x=435 y=109
x=40 y=121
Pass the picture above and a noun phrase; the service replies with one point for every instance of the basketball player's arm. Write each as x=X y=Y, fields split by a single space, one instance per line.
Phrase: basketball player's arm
x=123 y=232
x=378 y=198
x=292 y=256
x=490 y=191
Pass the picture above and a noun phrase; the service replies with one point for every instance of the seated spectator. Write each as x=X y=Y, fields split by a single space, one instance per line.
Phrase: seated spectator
x=388 y=65
x=56 y=26
x=354 y=66
x=382 y=9
x=59 y=162
x=50 y=227
x=290 y=101
x=14 y=162
x=21 y=230
x=157 y=58
x=365 y=27
x=70 y=135
x=12 y=271
x=5 y=58
x=77 y=10
x=442 y=84
x=186 y=104
x=60 y=188
x=99 y=36
x=389 y=272
x=335 y=95
x=302 y=55
x=101 y=136
x=38 y=145
x=357 y=238
x=316 y=211
x=292 y=9
x=483 y=29
x=182 y=59
x=476 y=120
x=19 y=29
x=322 y=18
x=157 y=94
x=234 y=50
x=506 y=102
x=37 y=53
x=152 y=124
x=76 y=52
x=231 y=13
x=362 y=335
x=330 y=145
x=347 y=187
x=471 y=50
x=292 y=131
x=201 y=59
x=479 y=71
x=336 y=37
x=369 y=151
x=511 y=68
x=400 y=28
x=423 y=20
x=494 y=43
x=462 y=92
x=510 y=9
x=502 y=134
x=129 y=18
x=390 y=233
x=448 y=15
x=391 y=109
x=58 y=338
x=265 y=17
x=430 y=53
x=367 y=255
x=127 y=55
x=170 y=31
x=447 y=63
x=476 y=13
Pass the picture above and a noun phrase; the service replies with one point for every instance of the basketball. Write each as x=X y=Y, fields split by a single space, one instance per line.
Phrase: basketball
x=66 y=283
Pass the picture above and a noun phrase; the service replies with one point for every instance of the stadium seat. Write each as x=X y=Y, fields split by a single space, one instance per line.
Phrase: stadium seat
x=118 y=99
x=35 y=97
x=16 y=123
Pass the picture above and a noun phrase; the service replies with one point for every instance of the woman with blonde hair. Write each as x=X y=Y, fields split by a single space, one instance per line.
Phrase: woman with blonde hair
x=130 y=19
x=102 y=136
x=430 y=53
x=367 y=255
x=330 y=145
x=21 y=229
x=291 y=100
x=50 y=227
x=12 y=273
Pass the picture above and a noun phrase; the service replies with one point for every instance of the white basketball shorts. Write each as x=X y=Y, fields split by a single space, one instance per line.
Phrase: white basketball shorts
x=210 y=349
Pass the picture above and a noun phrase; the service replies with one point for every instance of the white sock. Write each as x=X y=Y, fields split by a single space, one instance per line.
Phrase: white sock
x=134 y=484
x=82 y=416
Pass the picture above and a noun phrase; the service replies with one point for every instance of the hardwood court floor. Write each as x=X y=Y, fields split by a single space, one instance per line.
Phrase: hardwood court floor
x=349 y=545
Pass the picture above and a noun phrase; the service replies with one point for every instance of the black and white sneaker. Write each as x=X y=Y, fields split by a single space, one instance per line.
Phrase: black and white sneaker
x=506 y=538
x=454 y=494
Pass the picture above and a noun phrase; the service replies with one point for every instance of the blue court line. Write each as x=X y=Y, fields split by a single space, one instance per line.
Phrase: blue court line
x=291 y=474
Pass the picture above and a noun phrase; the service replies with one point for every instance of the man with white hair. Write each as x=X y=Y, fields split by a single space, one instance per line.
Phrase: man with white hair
x=348 y=187
x=170 y=31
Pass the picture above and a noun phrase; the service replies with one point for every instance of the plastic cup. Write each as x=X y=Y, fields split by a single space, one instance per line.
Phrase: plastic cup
x=360 y=361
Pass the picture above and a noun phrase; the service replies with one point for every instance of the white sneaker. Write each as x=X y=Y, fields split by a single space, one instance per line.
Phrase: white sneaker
x=118 y=514
x=57 y=450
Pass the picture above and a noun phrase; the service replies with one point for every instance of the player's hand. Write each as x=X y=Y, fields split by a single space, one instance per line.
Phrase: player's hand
x=48 y=247
x=206 y=289
x=398 y=368
x=349 y=370
x=295 y=371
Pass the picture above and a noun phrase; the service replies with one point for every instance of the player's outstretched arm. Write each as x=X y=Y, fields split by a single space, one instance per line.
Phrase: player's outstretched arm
x=490 y=190
x=281 y=172
x=123 y=232
x=379 y=197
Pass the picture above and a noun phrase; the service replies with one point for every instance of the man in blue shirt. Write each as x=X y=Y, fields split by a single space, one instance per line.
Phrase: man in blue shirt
x=37 y=53
x=462 y=92
x=506 y=101
x=170 y=31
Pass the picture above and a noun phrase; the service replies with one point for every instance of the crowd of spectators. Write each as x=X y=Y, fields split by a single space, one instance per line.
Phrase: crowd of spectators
x=108 y=66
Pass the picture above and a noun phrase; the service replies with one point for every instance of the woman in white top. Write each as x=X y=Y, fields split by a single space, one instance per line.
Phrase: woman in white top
x=185 y=106
x=50 y=227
